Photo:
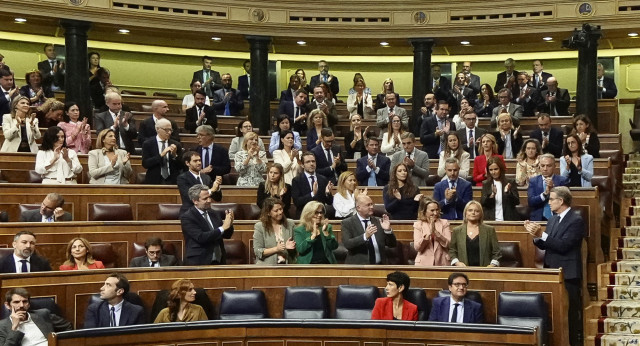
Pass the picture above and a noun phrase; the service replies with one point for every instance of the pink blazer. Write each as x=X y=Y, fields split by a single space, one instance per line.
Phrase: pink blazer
x=432 y=253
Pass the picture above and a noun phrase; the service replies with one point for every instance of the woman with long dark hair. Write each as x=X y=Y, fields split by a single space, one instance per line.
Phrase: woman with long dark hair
x=180 y=307
x=576 y=164
x=78 y=132
x=401 y=197
x=55 y=162
x=273 y=235
x=499 y=194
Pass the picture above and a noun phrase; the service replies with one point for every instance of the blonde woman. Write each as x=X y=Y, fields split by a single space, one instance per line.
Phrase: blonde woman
x=107 y=163
x=250 y=162
x=317 y=121
x=360 y=102
x=19 y=128
x=314 y=236
x=354 y=140
x=431 y=235
x=489 y=148
x=474 y=243
x=527 y=165
x=509 y=139
x=344 y=201
x=79 y=256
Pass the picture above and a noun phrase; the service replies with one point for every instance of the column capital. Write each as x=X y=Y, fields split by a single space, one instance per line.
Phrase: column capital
x=73 y=24
x=422 y=43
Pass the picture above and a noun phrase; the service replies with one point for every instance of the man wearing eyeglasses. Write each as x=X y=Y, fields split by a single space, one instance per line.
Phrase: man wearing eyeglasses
x=147 y=128
x=456 y=308
x=470 y=134
x=50 y=211
x=161 y=156
x=154 y=256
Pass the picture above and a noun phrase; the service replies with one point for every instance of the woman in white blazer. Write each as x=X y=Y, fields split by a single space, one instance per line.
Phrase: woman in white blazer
x=107 y=163
x=360 y=102
x=18 y=125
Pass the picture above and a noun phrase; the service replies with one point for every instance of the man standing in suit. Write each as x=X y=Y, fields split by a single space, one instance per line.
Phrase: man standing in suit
x=50 y=211
x=440 y=86
x=309 y=186
x=554 y=101
x=455 y=308
x=526 y=95
x=192 y=177
x=385 y=114
x=561 y=242
x=215 y=158
x=112 y=310
x=226 y=100
x=505 y=105
x=148 y=126
x=161 y=156
x=434 y=131
x=539 y=190
x=373 y=169
x=36 y=325
x=24 y=258
x=551 y=138
x=329 y=157
x=365 y=236
x=52 y=69
x=452 y=193
x=122 y=123
x=461 y=91
x=200 y=114
x=416 y=160
x=325 y=77
x=244 y=81
x=470 y=133
x=296 y=110
x=208 y=78
x=506 y=78
x=321 y=102
x=426 y=112
x=473 y=81
x=203 y=230
x=154 y=257
x=539 y=78
x=8 y=91
x=606 y=86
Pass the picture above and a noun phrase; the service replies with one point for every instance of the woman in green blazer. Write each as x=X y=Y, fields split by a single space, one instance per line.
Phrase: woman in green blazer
x=273 y=235
x=314 y=237
x=474 y=243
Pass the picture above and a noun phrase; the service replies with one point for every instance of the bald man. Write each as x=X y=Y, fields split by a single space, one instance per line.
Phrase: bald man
x=148 y=126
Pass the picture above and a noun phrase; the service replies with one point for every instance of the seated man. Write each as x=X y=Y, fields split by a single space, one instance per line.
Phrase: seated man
x=540 y=187
x=329 y=157
x=505 y=105
x=194 y=176
x=227 y=100
x=25 y=326
x=385 y=114
x=452 y=193
x=161 y=156
x=24 y=259
x=373 y=169
x=50 y=211
x=113 y=310
x=154 y=256
x=448 y=309
x=200 y=114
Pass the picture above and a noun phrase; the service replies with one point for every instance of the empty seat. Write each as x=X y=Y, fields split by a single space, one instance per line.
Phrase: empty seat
x=104 y=253
x=306 y=302
x=525 y=309
x=511 y=256
x=140 y=176
x=4 y=217
x=110 y=212
x=35 y=177
x=25 y=207
x=240 y=305
x=169 y=211
x=355 y=302
x=236 y=251
x=418 y=297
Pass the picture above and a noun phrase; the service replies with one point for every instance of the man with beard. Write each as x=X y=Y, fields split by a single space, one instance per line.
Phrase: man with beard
x=227 y=101
x=200 y=114
x=24 y=259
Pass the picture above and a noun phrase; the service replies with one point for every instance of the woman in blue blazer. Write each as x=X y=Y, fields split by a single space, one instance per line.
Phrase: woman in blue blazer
x=576 y=164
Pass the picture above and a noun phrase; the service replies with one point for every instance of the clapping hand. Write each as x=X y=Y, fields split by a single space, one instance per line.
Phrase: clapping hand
x=371 y=230
x=418 y=197
x=396 y=194
x=450 y=194
x=386 y=223
x=228 y=220
x=126 y=158
x=291 y=244
x=329 y=188
x=371 y=164
x=325 y=227
x=506 y=188
x=216 y=184
x=535 y=229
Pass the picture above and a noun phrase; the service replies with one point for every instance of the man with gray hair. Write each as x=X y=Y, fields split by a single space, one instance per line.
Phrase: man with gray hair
x=215 y=158
x=506 y=78
x=50 y=211
x=24 y=258
x=122 y=123
x=540 y=186
x=452 y=193
x=147 y=128
x=161 y=155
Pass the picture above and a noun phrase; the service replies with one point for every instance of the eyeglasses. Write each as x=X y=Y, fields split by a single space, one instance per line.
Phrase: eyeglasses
x=167 y=130
x=460 y=284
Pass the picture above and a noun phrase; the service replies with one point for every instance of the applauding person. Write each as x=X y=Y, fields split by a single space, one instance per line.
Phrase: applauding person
x=78 y=132
x=56 y=163
x=401 y=197
x=107 y=163
x=275 y=187
x=577 y=165
x=314 y=236
x=499 y=194
x=431 y=235
x=273 y=235
x=251 y=162
x=344 y=201
x=20 y=128
x=288 y=156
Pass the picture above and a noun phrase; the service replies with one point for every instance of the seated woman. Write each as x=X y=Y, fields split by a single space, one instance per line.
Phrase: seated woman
x=499 y=195
x=79 y=256
x=387 y=88
x=344 y=201
x=275 y=187
x=454 y=149
x=243 y=128
x=509 y=139
x=391 y=142
x=527 y=166
x=401 y=197
x=287 y=156
x=354 y=140
x=54 y=162
x=489 y=148
x=50 y=113
x=314 y=236
x=20 y=128
x=273 y=235
x=317 y=121
x=359 y=102
x=588 y=135
x=394 y=306
x=431 y=235
x=34 y=90
x=474 y=243
x=576 y=164
x=283 y=125
x=486 y=102
x=107 y=163
x=180 y=307
x=250 y=162
x=78 y=132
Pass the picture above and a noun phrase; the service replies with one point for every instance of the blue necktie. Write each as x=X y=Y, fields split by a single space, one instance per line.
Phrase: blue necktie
x=227 y=110
x=546 y=211
x=24 y=266
x=372 y=177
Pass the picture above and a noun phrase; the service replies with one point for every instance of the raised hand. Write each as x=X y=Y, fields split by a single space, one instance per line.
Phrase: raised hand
x=396 y=194
x=58 y=213
x=386 y=223
x=228 y=220
x=325 y=226
x=216 y=184
x=126 y=158
x=494 y=190
x=329 y=188
x=418 y=197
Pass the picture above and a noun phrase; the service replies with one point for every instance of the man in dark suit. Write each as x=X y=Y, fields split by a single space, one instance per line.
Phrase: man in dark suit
x=453 y=193
x=325 y=105
x=297 y=110
x=215 y=158
x=226 y=100
x=287 y=95
x=200 y=114
x=161 y=156
x=539 y=77
x=122 y=123
x=440 y=86
x=147 y=127
x=373 y=169
x=606 y=86
x=416 y=160
x=105 y=312
x=470 y=133
x=208 y=78
x=540 y=186
x=8 y=91
x=505 y=97
x=525 y=95
x=24 y=258
x=551 y=138
x=203 y=230
x=506 y=78
x=52 y=69
x=50 y=211
x=329 y=157
x=473 y=81
x=447 y=309
x=365 y=236
x=154 y=257
x=22 y=320
x=434 y=131
x=193 y=176
x=325 y=77
x=426 y=112
x=98 y=87
x=309 y=186
x=554 y=101
x=461 y=91
x=244 y=81
x=561 y=242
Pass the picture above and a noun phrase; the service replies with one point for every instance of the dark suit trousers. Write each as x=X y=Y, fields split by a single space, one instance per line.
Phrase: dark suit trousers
x=574 y=290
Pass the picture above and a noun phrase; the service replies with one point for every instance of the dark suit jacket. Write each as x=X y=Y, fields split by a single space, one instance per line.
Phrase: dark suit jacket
x=288 y=109
x=334 y=85
x=219 y=160
x=383 y=310
x=97 y=315
x=510 y=199
x=477 y=133
x=516 y=143
x=96 y=90
x=563 y=99
x=191 y=117
x=235 y=102
x=440 y=310
x=444 y=89
x=152 y=161
x=353 y=240
x=165 y=261
x=286 y=96
x=501 y=80
x=542 y=85
x=5 y=106
x=200 y=240
x=610 y=85
x=34 y=215
x=185 y=181
x=382 y=178
x=431 y=142
x=44 y=320
x=104 y=120
x=47 y=79
x=556 y=139
x=562 y=247
x=528 y=106
x=243 y=87
x=453 y=210
x=215 y=84
x=301 y=192
x=147 y=129
x=323 y=167
x=38 y=264
x=536 y=204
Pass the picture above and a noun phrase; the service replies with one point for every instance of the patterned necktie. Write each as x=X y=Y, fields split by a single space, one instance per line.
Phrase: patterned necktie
x=164 y=171
x=471 y=143
x=372 y=175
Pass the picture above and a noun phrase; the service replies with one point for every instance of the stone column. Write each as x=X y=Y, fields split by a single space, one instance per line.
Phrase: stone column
x=422 y=48
x=259 y=113
x=76 y=84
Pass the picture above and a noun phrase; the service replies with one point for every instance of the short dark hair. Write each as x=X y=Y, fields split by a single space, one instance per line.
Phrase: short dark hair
x=5 y=73
x=326 y=132
x=19 y=291
x=307 y=153
x=186 y=157
x=400 y=279
x=300 y=91
x=454 y=276
x=50 y=137
x=47 y=45
x=206 y=57
x=23 y=232
x=153 y=241
x=200 y=92
x=122 y=283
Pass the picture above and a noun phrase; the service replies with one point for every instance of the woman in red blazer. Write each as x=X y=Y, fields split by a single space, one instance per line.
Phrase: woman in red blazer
x=489 y=149
x=79 y=256
x=394 y=307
